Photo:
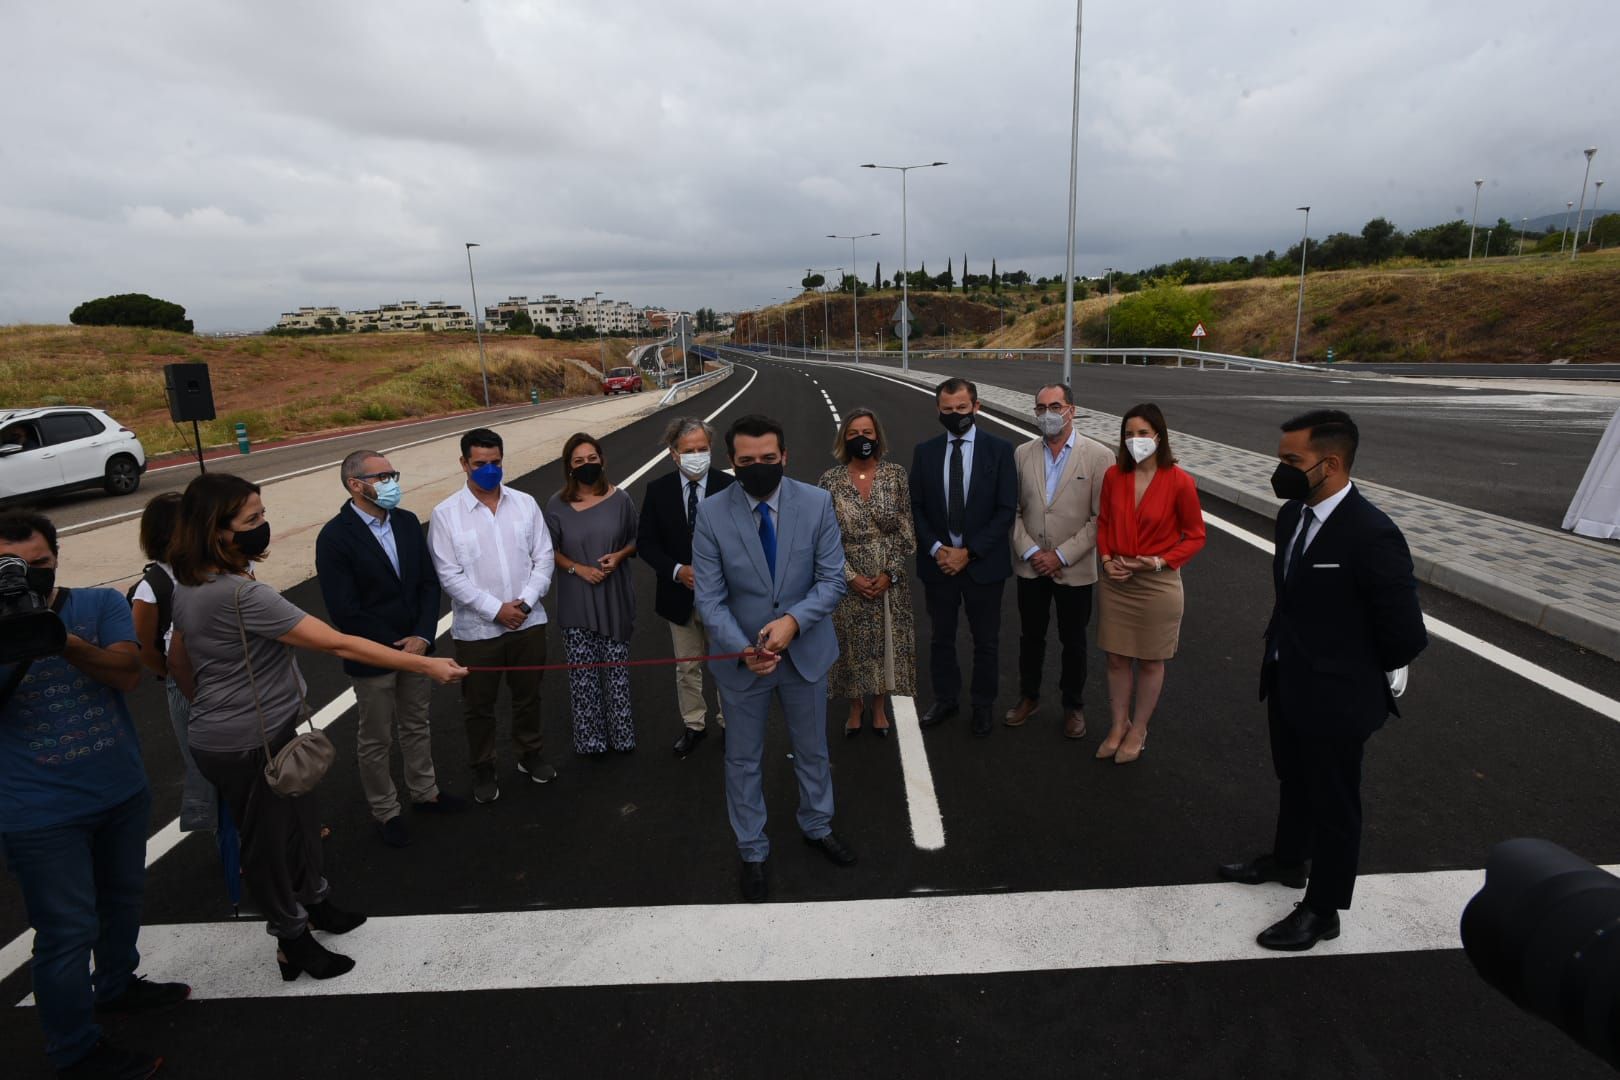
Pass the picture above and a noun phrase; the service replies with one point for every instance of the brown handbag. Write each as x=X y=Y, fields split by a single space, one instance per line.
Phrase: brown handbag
x=297 y=768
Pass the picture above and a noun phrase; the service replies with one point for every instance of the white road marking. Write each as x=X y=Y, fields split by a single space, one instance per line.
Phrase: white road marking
x=922 y=802
x=902 y=937
x=17 y=951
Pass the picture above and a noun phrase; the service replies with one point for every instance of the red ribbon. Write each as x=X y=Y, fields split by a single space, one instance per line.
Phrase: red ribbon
x=614 y=663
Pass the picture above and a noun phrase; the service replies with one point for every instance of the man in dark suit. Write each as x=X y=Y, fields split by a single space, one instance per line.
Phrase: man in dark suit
x=1345 y=620
x=377 y=579
x=964 y=497
x=664 y=542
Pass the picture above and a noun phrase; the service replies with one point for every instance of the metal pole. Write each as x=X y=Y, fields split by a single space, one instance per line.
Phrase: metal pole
x=905 y=293
x=826 y=320
x=1590 y=150
x=1522 y=223
x=1108 y=310
x=1593 y=224
x=1074 y=163
x=478 y=325
x=1304 y=246
x=1564 y=239
x=1475 y=224
x=600 y=341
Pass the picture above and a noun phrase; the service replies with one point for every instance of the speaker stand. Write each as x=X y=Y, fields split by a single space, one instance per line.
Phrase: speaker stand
x=196 y=436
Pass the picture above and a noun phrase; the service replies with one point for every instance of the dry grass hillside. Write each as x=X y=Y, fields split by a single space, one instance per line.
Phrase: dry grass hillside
x=282 y=386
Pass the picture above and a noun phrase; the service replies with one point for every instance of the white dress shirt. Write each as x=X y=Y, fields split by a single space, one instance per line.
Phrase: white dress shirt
x=485 y=559
x=687 y=483
x=967 y=476
x=1319 y=514
x=383 y=530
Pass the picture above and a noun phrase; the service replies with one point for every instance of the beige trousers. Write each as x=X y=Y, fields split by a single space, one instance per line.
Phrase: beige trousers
x=692 y=640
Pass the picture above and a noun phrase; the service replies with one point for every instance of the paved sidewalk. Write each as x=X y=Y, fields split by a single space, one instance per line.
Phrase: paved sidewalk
x=1563 y=584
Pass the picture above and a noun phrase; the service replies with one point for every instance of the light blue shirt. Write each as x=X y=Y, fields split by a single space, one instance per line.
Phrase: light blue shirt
x=967 y=474
x=384 y=532
x=1054 y=471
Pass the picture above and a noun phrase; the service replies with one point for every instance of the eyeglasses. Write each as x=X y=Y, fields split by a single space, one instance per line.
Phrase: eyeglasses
x=1042 y=410
x=384 y=476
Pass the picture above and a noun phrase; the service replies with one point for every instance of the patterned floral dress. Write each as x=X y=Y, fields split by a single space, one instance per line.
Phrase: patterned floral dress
x=877 y=642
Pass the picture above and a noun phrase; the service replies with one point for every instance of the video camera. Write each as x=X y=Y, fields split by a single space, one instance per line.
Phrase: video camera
x=29 y=629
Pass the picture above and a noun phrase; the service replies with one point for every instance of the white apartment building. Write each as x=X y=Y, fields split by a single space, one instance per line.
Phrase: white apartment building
x=560 y=314
x=404 y=315
x=308 y=318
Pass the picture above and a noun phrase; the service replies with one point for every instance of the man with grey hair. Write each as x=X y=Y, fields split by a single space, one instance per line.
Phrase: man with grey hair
x=1054 y=542
x=664 y=542
x=377 y=579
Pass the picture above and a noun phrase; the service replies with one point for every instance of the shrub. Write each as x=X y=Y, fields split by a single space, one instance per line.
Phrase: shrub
x=1161 y=315
x=132 y=309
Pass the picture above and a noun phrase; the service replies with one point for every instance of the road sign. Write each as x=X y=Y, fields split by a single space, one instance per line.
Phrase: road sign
x=1199 y=331
x=900 y=310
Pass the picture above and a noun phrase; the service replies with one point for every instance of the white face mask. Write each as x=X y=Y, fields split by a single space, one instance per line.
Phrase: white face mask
x=1141 y=448
x=694 y=464
x=1050 y=423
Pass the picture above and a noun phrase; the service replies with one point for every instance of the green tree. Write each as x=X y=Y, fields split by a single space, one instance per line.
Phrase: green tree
x=520 y=323
x=947 y=279
x=132 y=309
x=813 y=281
x=877 y=275
x=995 y=278
x=1380 y=239
x=325 y=322
x=1162 y=315
x=541 y=330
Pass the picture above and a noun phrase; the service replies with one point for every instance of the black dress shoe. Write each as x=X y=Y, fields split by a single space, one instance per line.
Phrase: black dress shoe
x=833 y=848
x=1263 y=868
x=754 y=889
x=690 y=737
x=938 y=713
x=394 y=833
x=443 y=803
x=981 y=722
x=1299 y=931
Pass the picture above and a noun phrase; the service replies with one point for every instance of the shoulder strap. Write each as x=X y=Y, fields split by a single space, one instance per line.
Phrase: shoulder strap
x=247 y=662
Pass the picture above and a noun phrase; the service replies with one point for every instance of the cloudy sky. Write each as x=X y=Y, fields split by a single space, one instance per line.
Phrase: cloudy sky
x=244 y=158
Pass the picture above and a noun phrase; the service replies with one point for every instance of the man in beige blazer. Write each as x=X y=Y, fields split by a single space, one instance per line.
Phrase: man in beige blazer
x=1054 y=544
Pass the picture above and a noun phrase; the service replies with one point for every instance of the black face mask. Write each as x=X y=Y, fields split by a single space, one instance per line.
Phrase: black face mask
x=957 y=423
x=41 y=580
x=861 y=447
x=588 y=474
x=1291 y=482
x=255 y=541
x=760 y=479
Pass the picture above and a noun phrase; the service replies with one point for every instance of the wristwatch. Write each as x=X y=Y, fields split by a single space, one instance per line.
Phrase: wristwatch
x=571 y=567
x=523 y=606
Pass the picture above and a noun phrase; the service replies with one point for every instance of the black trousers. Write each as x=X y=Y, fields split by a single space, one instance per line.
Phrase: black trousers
x=1318 y=809
x=983 y=606
x=1035 y=599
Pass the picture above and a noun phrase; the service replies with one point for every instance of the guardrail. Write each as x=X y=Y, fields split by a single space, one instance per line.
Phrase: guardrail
x=1145 y=357
x=688 y=384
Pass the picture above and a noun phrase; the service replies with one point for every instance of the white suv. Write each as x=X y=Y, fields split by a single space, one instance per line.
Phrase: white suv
x=45 y=451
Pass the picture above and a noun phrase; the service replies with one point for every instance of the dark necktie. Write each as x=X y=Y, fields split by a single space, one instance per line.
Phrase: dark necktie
x=691 y=507
x=956 y=499
x=1298 y=551
x=767 y=538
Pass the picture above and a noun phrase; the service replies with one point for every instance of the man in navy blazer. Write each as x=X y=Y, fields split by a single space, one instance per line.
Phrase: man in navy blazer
x=964 y=497
x=769 y=565
x=377 y=580
x=1346 y=617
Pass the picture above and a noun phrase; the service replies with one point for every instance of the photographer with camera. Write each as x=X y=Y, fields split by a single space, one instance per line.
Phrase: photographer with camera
x=74 y=802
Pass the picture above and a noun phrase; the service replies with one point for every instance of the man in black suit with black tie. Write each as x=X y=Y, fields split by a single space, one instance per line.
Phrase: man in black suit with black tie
x=1345 y=619
x=964 y=496
x=664 y=542
x=377 y=579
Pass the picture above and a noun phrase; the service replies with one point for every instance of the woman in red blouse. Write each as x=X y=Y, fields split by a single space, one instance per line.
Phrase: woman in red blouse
x=1148 y=525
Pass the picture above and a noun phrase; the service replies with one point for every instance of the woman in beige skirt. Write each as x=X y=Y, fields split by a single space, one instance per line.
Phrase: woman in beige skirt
x=1148 y=525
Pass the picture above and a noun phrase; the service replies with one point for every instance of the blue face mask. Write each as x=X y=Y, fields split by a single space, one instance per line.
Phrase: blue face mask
x=487 y=476
x=387 y=494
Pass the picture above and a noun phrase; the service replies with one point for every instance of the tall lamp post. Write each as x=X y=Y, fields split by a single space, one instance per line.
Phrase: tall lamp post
x=1593 y=223
x=1473 y=225
x=1074 y=164
x=1590 y=151
x=826 y=319
x=905 y=308
x=1305 y=246
x=854 y=286
x=1108 y=309
x=600 y=340
x=1522 y=223
x=1563 y=240
x=478 y=325
x=804 y=334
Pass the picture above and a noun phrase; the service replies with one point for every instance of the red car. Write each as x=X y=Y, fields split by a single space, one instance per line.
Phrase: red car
x=622 y=380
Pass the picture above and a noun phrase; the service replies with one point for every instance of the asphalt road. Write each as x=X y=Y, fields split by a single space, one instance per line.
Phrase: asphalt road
x=1577 y=372
x=1514 y=453
x=1481 y=754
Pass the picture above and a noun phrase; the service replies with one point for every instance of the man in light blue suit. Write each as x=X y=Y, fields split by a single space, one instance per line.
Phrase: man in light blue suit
x=768 y=565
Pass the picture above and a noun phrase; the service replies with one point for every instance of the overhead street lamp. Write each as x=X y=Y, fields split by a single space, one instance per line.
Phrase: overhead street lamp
x=1590 y=151
x=1108 y=309
x=1074 y=164
x=1564 y=239
x=1593 y=224
x=854 y=286
x=905 y=307
x=478 y=325
x=1475 y=223
x=1304 y=246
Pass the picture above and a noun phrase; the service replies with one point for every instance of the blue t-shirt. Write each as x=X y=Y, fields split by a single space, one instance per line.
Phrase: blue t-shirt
x=67 y=743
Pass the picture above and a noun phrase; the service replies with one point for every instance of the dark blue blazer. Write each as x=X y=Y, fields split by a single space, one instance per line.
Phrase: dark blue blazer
x=1347 y=614
x=992 y=503
x=363 y=595
x=662 y=541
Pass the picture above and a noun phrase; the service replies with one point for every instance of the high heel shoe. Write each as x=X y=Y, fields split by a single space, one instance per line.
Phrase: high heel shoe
x=303 y=953
x=888 y=714
x=1109 y=747
x=1126 y=755
x=328 y=917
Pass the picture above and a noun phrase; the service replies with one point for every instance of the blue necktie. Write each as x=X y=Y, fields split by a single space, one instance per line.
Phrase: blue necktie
x=767 y=538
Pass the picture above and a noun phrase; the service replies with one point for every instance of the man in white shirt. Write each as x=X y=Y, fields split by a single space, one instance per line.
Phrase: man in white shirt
x=493 y=554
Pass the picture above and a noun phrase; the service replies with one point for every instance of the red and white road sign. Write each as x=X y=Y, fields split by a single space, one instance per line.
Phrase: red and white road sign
x=1199 y=331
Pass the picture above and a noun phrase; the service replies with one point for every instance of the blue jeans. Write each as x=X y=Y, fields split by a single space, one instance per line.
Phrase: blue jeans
x=82 y=885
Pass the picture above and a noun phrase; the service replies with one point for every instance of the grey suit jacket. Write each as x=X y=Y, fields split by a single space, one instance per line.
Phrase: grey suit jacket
x=736 y=594
x=1069 y=525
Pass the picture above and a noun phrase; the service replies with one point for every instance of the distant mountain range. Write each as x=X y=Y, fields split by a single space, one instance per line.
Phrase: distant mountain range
x=1556 y=221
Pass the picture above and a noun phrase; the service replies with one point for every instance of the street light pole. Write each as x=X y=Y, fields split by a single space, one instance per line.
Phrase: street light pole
x=1074 y=164
x=905 y=306
x=1305 y=246
x=1564 y=239
x=1593 y=224
x=478 y=325
x=600 y=340
x=854 y=286
x=1108 y=309
x=1590 y=151
x=826 y=319
x=1522 y=223
x=1475 y=223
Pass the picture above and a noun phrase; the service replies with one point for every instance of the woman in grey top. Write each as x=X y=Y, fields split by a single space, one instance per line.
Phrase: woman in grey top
x=593 y=532
x=222 y=532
